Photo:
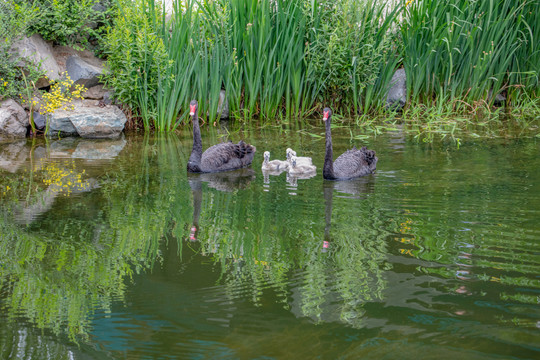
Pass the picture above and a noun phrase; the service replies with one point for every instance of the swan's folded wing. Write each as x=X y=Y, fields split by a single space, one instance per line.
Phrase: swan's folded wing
x=227 y=156
x=354 y=162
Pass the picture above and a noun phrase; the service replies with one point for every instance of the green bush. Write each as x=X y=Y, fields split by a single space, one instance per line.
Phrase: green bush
x=136 y=56
x=70 y=22
x=15 y=19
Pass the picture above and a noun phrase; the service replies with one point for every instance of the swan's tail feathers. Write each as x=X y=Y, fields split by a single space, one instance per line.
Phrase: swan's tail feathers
x=244 y=150
x=370 y=157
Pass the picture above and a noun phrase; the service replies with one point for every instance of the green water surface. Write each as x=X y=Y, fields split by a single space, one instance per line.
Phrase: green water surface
x=108 y=249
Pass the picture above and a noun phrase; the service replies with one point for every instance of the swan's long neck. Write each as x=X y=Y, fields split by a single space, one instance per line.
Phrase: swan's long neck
x=328 y=169
x=196 y=152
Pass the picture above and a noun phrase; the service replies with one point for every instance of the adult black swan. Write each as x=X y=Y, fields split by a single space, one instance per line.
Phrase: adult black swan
x=221 y=157
x=349 y=165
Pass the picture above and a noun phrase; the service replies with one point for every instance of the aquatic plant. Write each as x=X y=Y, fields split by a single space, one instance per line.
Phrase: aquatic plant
x=466 y=52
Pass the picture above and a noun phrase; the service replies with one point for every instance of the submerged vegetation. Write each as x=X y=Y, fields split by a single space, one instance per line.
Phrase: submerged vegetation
x=291 y=58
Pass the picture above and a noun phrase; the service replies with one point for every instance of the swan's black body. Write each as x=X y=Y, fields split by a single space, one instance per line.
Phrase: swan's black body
x=217 y=158
x=349 y=165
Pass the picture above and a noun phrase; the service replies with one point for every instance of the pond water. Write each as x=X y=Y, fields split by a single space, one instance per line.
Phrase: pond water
x=108 y=249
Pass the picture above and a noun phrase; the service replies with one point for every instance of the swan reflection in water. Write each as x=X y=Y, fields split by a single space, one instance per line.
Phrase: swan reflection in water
x=353 y=189
x=228 y=181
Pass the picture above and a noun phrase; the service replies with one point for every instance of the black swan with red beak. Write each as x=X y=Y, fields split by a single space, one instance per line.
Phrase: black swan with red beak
x=220 y=157
x=349 y=165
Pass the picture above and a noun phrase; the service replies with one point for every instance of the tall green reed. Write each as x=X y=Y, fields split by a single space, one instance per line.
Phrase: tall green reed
x=525 y=68
x=351 y=52
x=463 y=50
x=266 y=44
x=175 y=86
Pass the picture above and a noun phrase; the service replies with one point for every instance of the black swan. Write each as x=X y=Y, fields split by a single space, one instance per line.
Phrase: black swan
x=349 y=165
x=221 y=157
x=273 y=165
x=299 y=159
x=297 y=169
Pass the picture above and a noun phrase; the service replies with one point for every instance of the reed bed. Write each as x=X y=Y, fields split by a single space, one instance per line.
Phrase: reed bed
x=465 y=52
x=282 y=59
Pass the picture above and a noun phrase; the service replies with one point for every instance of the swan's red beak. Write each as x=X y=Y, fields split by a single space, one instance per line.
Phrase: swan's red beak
x=325 y=115
x=192 y=109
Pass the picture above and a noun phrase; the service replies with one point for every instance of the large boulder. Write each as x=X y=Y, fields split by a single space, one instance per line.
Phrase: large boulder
x=397 y=94
x=88 y=121
x=63 y=53
x=37 y=51
x=60 y=124
x=13 y=120
x=83 y=72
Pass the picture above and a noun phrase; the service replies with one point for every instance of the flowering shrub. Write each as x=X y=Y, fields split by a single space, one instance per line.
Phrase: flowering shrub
x=61 y=95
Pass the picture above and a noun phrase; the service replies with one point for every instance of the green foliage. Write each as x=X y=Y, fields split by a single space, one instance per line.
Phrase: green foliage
x=290 y=58
x=271 y=57
x=69 y=22
x=136 y=57
x=15 y=19
x=462 y=50
x=353 y=52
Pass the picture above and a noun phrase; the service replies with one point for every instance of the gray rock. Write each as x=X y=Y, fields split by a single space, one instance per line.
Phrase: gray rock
x=82 y=72
x=107 y=98
x=13 y=119
x=62 y=53
x=95 y=92
x=88 y=121
x=397 y=94
x=39 y=120
x=223 y=105
x=60 y=124
x=37 y=51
